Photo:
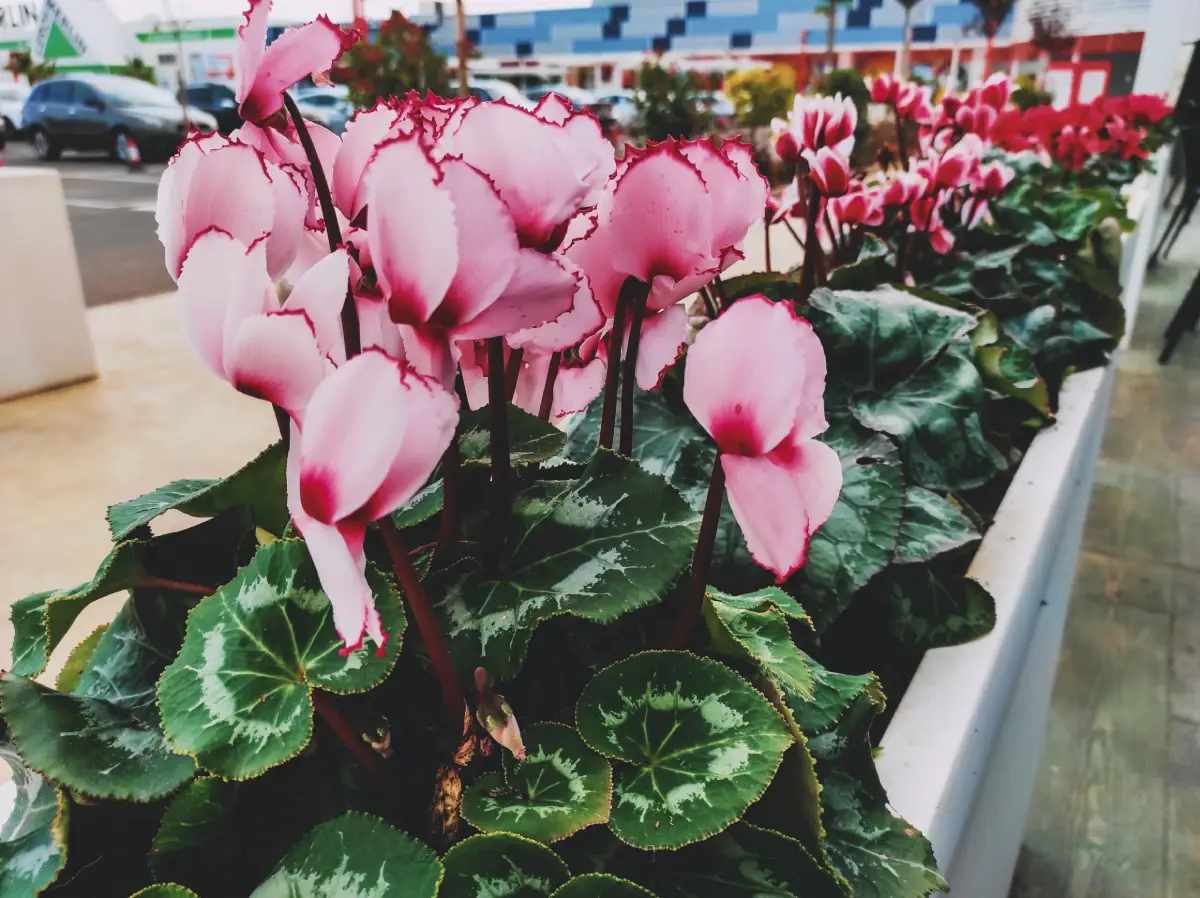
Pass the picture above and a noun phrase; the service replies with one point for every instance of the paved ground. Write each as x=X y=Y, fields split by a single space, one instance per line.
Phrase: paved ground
x=112 y=218
x=1116 y=813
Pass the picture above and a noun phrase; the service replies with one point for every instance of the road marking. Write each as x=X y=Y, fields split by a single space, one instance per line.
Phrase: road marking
x=110 y=206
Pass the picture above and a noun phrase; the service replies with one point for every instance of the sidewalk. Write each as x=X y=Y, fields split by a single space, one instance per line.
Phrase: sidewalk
x=153 y=416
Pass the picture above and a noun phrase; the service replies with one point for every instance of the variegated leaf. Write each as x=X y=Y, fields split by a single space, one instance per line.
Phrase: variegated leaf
x=755 y=627
x=501 y=864
x=80 y=657
x=238 y=697
x=194 y=818
x=699 y=745
x=609 y=543
x=530 y=439
x=601 y=885
x=930 y=526
x=33 y=840
x=258 y=486
x=355 y=856
x=561 y=787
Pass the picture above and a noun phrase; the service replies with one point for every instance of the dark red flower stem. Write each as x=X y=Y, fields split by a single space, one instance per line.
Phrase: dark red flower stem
x=685 y=622
x=512 y=373
x=901 y=139
x=451 y=501
x=799 y=240
x=547 y=406
x=719 y=293
x=767 y=240
x=332 y=229
x=422 y=612
x=812 y=244
x=197 y=589
x=341 y=727
x=629 y=375
x=608 y=417
x=501 y=463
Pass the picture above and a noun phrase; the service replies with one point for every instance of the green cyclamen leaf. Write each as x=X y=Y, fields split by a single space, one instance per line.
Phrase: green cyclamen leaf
x=699 y=745
x=879 y=854
x=840 y=712
x=238 y=697
x=33 y=840
x=355 y=856
x=930 y=526
x=609 y=543
x=757 y=625
x=501 y=864
x=259 y=486
x=530 y=438
x=40 y=621
x=746 y=862
x=195 y=818
x=561 y=787
x=601 y=885
x=93 y=746
x=934 y=606
x=421 y=507
x=81 y=655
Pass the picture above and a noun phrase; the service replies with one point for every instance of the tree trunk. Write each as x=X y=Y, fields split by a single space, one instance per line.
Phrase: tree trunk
x=906 y=49
x=830 y=55
x=463 y=89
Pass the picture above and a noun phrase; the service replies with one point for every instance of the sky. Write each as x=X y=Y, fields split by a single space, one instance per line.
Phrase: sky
x=307 y=9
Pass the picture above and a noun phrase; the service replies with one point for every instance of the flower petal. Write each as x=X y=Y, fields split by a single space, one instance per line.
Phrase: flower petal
x=577 y=388
x=366 y=131
x=781 y=499
x=486 y=237
x=222 y=284
x=742 y=376
x=432 y=414
x=593 y=253
x=661 y=216
x=414 y=243
x=430 y=351
x=287 y=227
x=583 y=319
x=352 y=431
x=297 y=53
x=541 y=290
x=337 y=554
x=376 y=328
x=737 y=190
x=663 y=338
x=252 y=43
x=321 y=294
x=275 y=357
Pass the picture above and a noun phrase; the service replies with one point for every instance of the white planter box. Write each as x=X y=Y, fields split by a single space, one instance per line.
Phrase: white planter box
x=961 y=755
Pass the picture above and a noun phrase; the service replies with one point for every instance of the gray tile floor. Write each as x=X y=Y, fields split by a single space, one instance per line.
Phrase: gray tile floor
x=1116 y=813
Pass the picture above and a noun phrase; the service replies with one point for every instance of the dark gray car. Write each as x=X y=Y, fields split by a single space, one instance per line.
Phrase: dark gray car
x=110 y=113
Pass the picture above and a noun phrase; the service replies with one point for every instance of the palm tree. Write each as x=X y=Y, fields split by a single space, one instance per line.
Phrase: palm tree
x=991 y=15
x=829 y=9
x=906 y=49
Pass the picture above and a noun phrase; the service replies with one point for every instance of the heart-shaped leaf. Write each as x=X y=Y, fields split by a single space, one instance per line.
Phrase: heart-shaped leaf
x=238 y=697
x=497 y=864
x=561 y=787
x=33 y=840
x=930 y=526
x=530 y=439
x=745 y=862
x=757 y=625
x=81 y=655
x=601 y=885
x=842 y=706
x=699 y=745
x=194 y=819
x=934 y=606
x=94 y=747
x=355 y=856
x=609 y=543
x=259 y=486
x=421 y=507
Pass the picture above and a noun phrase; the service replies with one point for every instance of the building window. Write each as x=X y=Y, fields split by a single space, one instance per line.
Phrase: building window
x=611 y=30
x=524 y=48
x=740 y=40
x=696 y=9
x=676 y=27
x=488 y=21
x=661 y=44
x=924 y=34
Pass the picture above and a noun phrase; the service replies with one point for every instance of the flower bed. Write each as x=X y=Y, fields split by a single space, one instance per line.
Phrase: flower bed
x=429 y=644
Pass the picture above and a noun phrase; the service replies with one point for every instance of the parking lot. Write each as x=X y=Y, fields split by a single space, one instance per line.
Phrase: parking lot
x=112 y=219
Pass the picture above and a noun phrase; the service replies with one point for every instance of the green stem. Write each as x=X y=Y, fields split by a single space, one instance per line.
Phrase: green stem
x=685 y=623
x=629 y=375
x=333 y=230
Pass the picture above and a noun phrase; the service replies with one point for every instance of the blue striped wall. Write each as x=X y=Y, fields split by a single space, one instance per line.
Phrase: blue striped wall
x=632 y=26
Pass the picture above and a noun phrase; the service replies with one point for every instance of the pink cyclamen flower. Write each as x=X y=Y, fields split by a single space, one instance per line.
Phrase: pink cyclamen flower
x=830 y=171
x=995 y=91
x=234 y=322
x=373 y=433
x=214 y=182
x=861 y=207
x=989 y=182
x=755 y=381
x=264 y=73
x=926 y=214
x=787 y=204
x=816 y=122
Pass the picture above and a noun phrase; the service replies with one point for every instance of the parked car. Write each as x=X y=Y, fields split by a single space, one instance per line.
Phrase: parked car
x=218 y=100
x=12 y=99
x=107 y=112
x=329 y=106
x=721 y=108
x=494 y=89
x=624 y=107
x=580 y=99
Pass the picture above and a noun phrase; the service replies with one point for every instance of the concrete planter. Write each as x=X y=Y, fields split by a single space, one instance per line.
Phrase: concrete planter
x=961 y=755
